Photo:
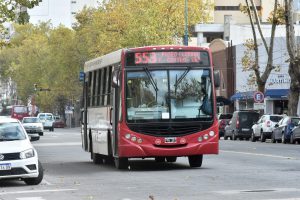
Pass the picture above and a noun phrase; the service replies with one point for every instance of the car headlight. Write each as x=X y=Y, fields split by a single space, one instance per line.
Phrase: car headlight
x=27 y=154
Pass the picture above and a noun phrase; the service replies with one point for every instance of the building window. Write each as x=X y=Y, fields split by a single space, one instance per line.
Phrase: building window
x=231 y=8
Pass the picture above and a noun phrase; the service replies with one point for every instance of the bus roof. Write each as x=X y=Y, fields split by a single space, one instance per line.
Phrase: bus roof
x=115 y=57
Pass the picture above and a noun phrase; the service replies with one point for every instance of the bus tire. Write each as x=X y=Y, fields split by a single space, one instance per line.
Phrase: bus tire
x=121 y=163
x=159 y=159
x=195 y=160
x=97 y=158
x=171 y=158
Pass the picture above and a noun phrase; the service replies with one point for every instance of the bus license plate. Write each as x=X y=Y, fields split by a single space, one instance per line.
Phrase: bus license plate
x=6 y=166
x=170 y=140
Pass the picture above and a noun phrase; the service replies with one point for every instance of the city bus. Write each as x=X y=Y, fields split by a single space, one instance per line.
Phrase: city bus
x=15 y=111
x=150 y=102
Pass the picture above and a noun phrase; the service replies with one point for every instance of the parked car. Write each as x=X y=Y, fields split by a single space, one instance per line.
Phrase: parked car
x=264 y=127
x=48 y=120
x=224 y=119
x=284 y=128
x=58 y=122
x=240 y=125
x=18 y=158
x=295 y=134
x=33 y=125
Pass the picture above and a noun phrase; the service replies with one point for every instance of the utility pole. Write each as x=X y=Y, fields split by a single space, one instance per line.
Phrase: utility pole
x=186 y=36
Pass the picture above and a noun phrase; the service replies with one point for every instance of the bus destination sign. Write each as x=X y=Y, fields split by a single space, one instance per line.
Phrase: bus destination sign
x=167 y=57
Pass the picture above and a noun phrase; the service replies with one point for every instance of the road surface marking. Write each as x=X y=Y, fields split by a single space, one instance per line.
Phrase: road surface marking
x=259 y=154
x=231 y=192
x=30 y=198
x=57 y=144
x=35 y=191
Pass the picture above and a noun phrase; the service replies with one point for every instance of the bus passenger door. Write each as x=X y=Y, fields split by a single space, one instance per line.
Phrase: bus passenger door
x=84 y=117
x=116 y=106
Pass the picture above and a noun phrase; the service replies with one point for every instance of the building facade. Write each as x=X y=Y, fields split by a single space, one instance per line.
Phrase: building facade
x=59 y=12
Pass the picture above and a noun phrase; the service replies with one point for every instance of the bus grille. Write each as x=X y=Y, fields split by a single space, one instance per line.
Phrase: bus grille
x=167 y=130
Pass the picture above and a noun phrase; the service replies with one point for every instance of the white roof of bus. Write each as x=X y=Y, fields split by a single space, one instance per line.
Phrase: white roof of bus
x=103 y=61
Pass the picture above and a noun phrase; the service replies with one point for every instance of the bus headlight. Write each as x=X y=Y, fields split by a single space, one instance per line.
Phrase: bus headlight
x=211 y=133
x=127 y=136
x=200 y=139
x=205 y=136
x=133 y=139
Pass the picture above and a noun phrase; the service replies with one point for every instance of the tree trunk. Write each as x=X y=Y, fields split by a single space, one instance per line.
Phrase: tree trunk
x=294 y=91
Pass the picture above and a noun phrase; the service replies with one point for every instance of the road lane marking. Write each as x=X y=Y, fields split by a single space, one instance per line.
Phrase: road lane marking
x=232 y=192
x=57 y=144
x=46 y=182
x=35 y=191
x=259 y=154
x=31 y=198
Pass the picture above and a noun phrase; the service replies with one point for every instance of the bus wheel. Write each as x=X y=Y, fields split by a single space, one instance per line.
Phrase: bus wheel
x=160 y=159
x=171 y=159
x=196 y=160
x=121 y=163
x=97 y=158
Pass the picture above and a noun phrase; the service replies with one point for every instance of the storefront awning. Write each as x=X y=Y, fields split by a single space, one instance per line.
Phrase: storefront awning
x=242 y=95
x=277 y=93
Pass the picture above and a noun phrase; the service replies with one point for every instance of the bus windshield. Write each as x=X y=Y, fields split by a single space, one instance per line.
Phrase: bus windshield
x=163 y=95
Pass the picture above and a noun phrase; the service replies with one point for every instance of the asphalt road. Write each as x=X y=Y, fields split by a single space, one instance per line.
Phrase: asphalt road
x=242 y=170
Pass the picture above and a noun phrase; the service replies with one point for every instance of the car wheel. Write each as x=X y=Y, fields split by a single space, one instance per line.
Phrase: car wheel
x=253 y=139
x=41 y=133
x=292 y=141
x=225 y=137
x=273 y=138
x=283 y=140
x=37 y=180
x=262 y=137
x=234 y=136
x=195 y=161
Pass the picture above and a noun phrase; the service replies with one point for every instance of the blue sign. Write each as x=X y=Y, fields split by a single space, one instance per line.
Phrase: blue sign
x=258 y=97
x=81 y=76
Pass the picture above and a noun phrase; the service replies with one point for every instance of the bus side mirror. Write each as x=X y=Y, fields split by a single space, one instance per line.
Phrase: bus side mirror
x=115 y=79
x=217 y=78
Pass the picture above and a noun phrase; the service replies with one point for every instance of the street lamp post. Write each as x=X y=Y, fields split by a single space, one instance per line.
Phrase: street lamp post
x=186 y=36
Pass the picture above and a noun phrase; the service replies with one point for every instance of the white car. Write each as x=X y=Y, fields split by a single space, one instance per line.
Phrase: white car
x=18 y=158
x=33 y=125
x=48 y=120
x=264 y=127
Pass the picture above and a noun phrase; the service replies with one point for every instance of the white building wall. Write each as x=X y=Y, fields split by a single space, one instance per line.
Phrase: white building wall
x=58 y=11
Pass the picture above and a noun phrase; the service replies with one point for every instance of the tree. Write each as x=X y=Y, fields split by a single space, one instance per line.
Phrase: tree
x=294 y=60
x=12 y=11
x=119 y=23
x=44 y=56
x=261 y=77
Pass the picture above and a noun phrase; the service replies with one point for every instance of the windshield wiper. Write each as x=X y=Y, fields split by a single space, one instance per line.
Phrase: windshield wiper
x=151 y=79
x=181 y=78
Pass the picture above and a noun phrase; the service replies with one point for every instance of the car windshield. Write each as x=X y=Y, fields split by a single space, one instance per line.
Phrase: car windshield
x=31 y=120
x=20 y=109
x=160 y=95
x=225 y=116
x=46 y=117
x=275 y=118
x=11 y=131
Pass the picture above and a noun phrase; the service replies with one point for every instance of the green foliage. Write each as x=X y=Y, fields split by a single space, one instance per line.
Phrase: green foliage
x=119 y=23
x=46 y=57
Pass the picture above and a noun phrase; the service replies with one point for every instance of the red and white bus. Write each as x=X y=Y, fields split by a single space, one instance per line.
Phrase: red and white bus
x=15 y=111
x=150 y=102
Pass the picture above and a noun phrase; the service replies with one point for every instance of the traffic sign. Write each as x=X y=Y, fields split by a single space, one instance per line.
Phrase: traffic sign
x=81 y=76
x=258 y=97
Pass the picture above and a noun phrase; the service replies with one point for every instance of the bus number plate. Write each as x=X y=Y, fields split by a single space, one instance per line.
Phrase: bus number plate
x=170 y=140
